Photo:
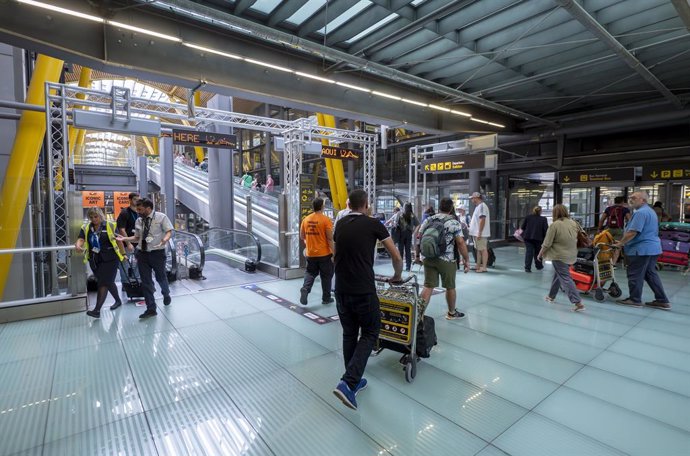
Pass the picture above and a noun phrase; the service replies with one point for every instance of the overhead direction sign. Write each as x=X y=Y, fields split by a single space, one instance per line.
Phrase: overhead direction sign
x=597 y=176
x=204 y=139
x=459 y=163
x=340 y=153
x=679 y=171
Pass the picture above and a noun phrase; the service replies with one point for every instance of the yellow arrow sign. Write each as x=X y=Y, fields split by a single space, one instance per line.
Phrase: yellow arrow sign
x=566 y=179
x=654 y=175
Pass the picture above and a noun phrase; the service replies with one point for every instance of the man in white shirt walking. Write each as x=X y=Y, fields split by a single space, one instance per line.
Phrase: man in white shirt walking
x=480 y=231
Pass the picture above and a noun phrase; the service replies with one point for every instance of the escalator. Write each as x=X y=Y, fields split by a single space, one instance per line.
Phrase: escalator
x=191 y=189
x=216 y=258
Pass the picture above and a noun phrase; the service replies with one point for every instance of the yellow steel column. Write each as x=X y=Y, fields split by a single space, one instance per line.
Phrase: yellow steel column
x=198 y=151
x=329 y=168
x=24 y=160
x=84 y=81
x=338 y=170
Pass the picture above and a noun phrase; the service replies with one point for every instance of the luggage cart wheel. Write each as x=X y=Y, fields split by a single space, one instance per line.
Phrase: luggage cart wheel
x=411 y=369
x=599 y=294
x=615 y=291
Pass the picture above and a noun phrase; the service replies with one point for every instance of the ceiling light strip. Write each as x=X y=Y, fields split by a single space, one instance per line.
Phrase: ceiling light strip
x=349 y=86
x=386 y=95
x=418 y=103
x=144 y=31
x=213 y=51
x=313 y=76
x=268 y=65
x=58 y=9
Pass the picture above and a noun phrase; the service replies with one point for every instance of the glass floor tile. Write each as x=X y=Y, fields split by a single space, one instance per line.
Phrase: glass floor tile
x=226 y=371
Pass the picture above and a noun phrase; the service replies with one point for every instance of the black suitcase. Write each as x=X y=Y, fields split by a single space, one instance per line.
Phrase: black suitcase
x=492 y=256
x=426 y=337
x=131 y=285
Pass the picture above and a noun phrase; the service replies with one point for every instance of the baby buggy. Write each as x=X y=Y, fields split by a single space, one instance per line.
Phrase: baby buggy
x=593 y=272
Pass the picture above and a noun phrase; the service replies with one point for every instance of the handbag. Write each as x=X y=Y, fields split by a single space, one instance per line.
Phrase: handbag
x=518 y=234
x=582 y=238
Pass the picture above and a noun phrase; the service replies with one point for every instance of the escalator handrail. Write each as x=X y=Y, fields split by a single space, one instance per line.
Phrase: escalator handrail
x=251 y=235
x=200 y=245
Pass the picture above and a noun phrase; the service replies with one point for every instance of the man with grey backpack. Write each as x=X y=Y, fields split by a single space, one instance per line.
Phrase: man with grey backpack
x=441 y=235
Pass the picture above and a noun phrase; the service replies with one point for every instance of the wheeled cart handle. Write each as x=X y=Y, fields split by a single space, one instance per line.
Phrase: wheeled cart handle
x=386 y=279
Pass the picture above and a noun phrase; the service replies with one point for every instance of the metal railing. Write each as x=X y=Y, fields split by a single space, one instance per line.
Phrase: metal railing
x=32 y=275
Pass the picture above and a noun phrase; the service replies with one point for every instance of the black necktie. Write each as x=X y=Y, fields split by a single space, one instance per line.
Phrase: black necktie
x=147 y=227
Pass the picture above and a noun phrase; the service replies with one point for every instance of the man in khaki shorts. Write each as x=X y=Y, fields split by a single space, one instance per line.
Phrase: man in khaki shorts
x=480 y=231
x=444 y=264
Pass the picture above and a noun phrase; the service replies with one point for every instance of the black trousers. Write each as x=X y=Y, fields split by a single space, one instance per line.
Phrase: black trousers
x=405 y=247
x=149 y=262
x=532 y=249
x=323 y=267
x=641 y=269
x=358 y=313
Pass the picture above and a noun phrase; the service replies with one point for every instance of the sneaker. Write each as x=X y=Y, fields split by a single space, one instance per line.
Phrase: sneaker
x=659 y=305
x=346 y=395
x=116 y=305
x=148 y=314
x=362 y=385
x=528 y=270
x=327 y=301
x=303 y=297
x=93 y=313
x=167 y=300
x=628 y=302
x=455 y=315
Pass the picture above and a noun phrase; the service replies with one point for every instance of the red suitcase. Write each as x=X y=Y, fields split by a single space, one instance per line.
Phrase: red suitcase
x=583 y=282
x=677 y=258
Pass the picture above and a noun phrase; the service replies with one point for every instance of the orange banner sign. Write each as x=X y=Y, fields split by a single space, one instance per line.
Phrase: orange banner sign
x=93 y=199
x=120 y=201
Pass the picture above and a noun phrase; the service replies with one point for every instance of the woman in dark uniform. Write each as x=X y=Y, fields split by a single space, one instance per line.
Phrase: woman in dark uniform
x=104 y=254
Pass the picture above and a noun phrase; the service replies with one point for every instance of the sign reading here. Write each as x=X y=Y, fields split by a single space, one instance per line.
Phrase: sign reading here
x=340 y=153
x=596 y=176
x=204 y=139
x=458 y=163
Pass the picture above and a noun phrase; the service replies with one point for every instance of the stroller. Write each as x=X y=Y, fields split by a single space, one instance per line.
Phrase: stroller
x=593 y=270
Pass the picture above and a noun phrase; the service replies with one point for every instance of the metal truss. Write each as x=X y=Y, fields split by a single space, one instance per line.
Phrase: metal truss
x=122 y=106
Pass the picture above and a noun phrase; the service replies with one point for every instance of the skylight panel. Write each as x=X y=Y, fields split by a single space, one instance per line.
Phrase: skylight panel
x=307 y=10
x=373 y=28
x=265 y=6
x=346 y=16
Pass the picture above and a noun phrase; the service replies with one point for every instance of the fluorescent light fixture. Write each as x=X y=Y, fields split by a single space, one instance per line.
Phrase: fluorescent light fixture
x=213 y=51
x=349 y=86
x=439 y=108
x=497 y=125
x=268 y=65
x=386 y=95
x=480 y=120
x=58 y=9
x=144 y=31
x=415 y=102
x=313 y=76
x=460 y=113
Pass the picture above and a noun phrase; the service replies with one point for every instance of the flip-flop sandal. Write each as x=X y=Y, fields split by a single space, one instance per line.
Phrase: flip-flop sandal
x=579 y=308
x=549 y=299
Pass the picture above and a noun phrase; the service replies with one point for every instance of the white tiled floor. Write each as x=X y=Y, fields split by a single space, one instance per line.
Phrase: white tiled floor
x=226 y=372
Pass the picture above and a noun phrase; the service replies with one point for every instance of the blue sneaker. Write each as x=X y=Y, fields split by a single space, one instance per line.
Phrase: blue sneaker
x=345 y=394
x=361 y=385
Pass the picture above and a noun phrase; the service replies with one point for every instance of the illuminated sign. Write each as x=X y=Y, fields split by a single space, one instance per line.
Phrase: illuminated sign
x=459 y=163
x=666 y=172
x=120 y=201
x=340 y=153
x=307 y=193
x=204 y=139
x=93 y=199
x=597 y=176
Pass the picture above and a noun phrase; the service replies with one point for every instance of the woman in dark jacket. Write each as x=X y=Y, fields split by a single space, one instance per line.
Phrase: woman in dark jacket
x=104 y=254
x=533 y=231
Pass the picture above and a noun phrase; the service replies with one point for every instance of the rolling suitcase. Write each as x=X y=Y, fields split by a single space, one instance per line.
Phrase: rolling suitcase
x=426 y=337
x=675 y=246
x=131 y=285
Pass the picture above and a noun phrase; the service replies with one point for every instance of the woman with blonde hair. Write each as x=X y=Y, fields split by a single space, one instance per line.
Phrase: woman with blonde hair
x=533 y=232
x=104 y=254
x=560 y=246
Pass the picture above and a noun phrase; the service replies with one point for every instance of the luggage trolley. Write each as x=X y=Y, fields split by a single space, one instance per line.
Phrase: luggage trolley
x=399 y=319
x=593 y=271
